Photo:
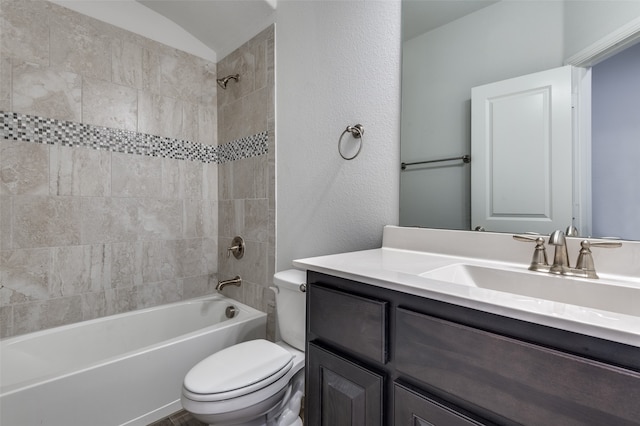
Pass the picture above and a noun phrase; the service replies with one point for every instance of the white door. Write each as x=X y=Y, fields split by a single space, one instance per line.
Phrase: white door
x=521 y=151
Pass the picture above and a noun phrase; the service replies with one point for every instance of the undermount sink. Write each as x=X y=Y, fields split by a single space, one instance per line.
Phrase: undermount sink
x=597 y=294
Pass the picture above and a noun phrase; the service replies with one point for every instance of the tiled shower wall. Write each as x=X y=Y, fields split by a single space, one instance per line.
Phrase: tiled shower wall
x=246 y=187
x=90 y=232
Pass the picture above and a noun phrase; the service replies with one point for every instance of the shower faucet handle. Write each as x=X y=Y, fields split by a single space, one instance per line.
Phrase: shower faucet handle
x=236 y=248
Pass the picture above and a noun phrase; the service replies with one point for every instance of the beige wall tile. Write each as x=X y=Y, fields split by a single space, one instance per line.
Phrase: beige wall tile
x=5 y=84
x=154 y=294
x=126 y=264
x=38 y=90
x=193 y=179
x=80 y=269
x=190 y=258
x=244 y=117
x=171 y=179
x=198 y=286
x=240 y=61
x=210 y=249
x=190 y=122
x=6 y=321
x=110 y=105
x=182 y=179
x=126 y=63
x=110 y=220
x=38 y=315
x=148 y=226
x=253 y=265
x=256 y=220
x=25 y=30
x=180 y=77
x=210 y=181
x=6 y=214
x=244 y=178
x=25 y=275
x=100 y=304
x=207 y=125
x=79 y=171
x=24 y=168
x=159 y=261
x=194 y=216
x=159 y=115
x=135 y=175
x=46 y=221
x=80 y=49
x=209 y=219
x=209 y=91
x=230 y=218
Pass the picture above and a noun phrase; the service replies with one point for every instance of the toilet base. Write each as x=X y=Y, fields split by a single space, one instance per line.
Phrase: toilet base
x=281 y=409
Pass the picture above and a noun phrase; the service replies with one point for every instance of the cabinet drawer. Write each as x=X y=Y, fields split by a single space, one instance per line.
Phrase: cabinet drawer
x=356 y=323
x=414 y=409
x=527 y=383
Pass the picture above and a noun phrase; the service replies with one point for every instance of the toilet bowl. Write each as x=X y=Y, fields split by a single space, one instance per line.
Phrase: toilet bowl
x=256 y=382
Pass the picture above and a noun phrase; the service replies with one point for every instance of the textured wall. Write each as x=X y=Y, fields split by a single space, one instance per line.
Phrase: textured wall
x=246 y=190
x=338 y=64
x=91 y=232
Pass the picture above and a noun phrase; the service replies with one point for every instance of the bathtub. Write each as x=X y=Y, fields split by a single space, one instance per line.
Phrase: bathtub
x=125 y=369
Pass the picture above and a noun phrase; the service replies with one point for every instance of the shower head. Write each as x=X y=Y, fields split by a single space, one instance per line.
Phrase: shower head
x=222 y=82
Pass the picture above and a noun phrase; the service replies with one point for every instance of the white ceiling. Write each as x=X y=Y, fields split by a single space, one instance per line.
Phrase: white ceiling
x=222 y=25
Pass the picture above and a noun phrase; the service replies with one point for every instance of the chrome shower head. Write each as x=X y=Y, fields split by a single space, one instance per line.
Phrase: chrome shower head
x=222 y=82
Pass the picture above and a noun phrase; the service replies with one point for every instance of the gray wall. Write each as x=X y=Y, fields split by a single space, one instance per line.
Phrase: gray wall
x=337 y=64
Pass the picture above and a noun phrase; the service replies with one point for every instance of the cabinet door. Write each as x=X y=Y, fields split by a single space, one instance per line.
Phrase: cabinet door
x=340 y=392
x=414 y=409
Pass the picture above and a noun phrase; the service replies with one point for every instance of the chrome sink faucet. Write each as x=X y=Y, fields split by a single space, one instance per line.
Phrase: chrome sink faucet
x=585 y=267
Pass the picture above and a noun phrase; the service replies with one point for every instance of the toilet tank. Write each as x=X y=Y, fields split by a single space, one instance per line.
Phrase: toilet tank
x=291 y=306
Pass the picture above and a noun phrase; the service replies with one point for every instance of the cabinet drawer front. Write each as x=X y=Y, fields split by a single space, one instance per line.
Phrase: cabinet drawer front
x=413 y=409
x=341 y=393
x=356 y=323
x=527 y=383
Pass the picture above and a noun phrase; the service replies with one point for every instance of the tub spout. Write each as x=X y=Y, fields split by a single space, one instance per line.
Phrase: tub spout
x=233 y=281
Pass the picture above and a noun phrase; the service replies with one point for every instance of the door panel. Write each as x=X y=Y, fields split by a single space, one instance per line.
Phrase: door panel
x=522 y=138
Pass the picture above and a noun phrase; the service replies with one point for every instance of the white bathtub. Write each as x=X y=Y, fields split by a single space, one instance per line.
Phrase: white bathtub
x=124 y=369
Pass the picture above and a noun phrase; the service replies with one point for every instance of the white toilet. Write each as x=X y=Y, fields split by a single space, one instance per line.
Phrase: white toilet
x=256 y=382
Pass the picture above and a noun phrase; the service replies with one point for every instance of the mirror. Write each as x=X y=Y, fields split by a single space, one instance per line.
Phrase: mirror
x=463 y=44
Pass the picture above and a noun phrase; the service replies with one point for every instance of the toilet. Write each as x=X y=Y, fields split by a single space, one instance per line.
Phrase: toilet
x=256 y=382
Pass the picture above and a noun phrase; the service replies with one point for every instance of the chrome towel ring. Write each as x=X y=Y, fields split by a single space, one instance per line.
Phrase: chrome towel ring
x=357 y=132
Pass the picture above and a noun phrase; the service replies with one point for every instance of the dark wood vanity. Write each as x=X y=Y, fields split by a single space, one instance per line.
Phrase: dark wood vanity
x=381 y=357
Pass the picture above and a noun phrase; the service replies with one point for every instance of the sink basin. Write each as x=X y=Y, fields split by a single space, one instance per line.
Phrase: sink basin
x=597 y=294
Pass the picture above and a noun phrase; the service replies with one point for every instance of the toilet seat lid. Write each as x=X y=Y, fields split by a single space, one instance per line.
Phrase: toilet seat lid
x=253 y=364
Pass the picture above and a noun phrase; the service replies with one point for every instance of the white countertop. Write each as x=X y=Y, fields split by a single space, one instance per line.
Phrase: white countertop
x=399 y=269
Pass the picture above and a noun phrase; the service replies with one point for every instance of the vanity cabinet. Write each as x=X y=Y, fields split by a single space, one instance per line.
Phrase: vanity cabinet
x=378 y=356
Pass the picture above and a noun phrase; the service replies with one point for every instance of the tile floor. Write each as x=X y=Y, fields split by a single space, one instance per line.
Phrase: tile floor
x=180 y=418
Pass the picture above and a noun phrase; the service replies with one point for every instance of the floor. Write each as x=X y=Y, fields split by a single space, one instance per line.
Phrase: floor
x=180 y=418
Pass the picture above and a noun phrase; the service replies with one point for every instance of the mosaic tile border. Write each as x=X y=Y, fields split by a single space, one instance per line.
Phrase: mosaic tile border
x=29 y=128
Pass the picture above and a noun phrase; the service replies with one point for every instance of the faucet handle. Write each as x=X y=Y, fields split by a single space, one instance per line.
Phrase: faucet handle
x=539 y=261
x=584 y=265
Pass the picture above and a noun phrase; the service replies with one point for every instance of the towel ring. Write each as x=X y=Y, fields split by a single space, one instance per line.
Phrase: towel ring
x=356 y=131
